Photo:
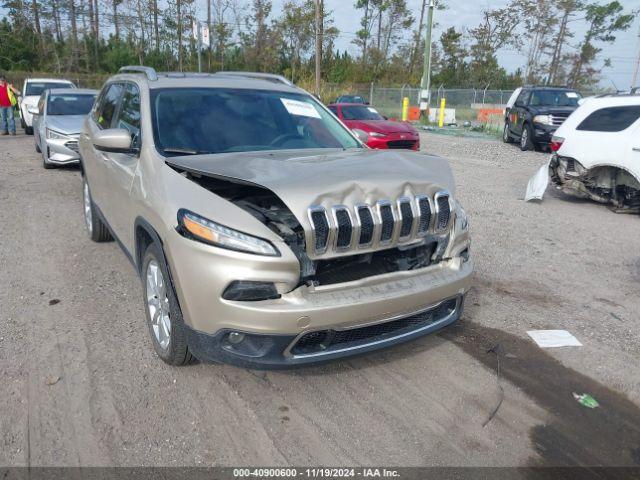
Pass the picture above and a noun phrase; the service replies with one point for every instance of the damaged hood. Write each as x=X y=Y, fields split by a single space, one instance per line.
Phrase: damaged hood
x=327 y=177
x=67 y=124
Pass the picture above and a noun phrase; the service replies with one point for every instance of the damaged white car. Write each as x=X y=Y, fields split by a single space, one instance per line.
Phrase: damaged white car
x=597 y=154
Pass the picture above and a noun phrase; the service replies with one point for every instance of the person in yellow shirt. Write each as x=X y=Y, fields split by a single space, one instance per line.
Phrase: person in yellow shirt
x=7 y=102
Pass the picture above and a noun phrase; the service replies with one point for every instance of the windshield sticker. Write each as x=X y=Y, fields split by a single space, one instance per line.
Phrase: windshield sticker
x=302 y=109
x=572 y=94
x=372 y=110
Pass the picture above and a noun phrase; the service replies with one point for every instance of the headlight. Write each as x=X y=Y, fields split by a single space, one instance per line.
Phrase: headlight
x=377 y=134
x=53 y=135
x=543 y=119
x=199 y=228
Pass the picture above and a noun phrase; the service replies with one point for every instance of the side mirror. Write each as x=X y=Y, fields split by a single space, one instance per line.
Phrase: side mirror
x=114 y=140
x=33 y=111
x=362 y=135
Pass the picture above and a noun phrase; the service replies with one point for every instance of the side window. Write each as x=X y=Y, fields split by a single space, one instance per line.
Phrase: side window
x=129 y=115
x=108 y=104
x=612 y=119
x=524 y=97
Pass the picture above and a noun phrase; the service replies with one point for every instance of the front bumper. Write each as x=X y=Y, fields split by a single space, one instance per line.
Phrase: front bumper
x=404 y=141
x=542 y=133
x=62 y=151
x=284 y=351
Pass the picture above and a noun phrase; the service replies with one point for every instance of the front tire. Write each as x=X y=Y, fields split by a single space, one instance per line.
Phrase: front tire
x=526 y=138
x=506 y=134
x=97 y=230
x=164 y=317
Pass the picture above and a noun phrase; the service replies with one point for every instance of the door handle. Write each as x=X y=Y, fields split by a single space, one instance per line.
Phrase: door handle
x=636 y=149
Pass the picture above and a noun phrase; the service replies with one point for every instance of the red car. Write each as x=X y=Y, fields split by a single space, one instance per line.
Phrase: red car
x=382 y=133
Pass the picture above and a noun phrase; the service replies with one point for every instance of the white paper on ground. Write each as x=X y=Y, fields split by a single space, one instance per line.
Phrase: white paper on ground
x=302 y=109
x=538 y=184
x=553 y=338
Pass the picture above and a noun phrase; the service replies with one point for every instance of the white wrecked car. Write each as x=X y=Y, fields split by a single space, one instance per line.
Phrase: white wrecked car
x=597 y=154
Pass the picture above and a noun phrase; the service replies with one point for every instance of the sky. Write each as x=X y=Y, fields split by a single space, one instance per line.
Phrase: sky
x=467 y=13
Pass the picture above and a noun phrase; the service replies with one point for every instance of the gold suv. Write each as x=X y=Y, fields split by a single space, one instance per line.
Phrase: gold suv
x=265 y=233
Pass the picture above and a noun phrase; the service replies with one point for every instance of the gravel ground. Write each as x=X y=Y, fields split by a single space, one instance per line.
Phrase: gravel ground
x=82 y=386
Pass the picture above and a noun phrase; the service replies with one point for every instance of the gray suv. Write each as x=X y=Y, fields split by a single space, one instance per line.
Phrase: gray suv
x=265 y=233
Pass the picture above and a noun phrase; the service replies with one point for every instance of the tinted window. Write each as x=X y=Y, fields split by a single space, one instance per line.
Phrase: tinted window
x=357 y=112
x=108 y=104
x=523 y=98
x=350 y=99
x=129 y=116
x=554 y=98
x=69 y=104
x=215 y=120
x=36 y=88
x=612 y=119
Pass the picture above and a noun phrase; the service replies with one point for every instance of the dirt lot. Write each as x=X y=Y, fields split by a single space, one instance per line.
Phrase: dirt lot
x=82 y=386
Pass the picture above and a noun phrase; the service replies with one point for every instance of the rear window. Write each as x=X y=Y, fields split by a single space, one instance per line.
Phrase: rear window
x=611 y=119
x=68 y=104
x=36 y=88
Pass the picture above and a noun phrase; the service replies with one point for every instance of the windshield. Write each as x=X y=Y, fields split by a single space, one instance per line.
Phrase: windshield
x=69 y=104
x=216 y=120
x=554 y=98
x=357 y=112
x=36 y=88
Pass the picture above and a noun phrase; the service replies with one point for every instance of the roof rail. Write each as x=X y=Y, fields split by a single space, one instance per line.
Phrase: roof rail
x=260 y=76
x=148 y=71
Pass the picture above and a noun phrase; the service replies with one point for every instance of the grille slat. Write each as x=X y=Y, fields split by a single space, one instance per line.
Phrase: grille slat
x=444 y=213
x=321 y=228
x=406 y=214
x=401 y=144
x=344 y=227
x=366 y=225
x=387 y=221
x=424 y=206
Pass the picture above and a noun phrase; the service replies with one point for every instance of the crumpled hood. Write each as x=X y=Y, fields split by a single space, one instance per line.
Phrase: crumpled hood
x=382 y=126
x=321 y=177
x=67 y=124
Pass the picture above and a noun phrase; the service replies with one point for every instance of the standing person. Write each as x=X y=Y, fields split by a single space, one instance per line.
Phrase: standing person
x=7 y=102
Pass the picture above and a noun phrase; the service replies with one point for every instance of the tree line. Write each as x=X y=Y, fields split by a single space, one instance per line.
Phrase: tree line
x=562 y=40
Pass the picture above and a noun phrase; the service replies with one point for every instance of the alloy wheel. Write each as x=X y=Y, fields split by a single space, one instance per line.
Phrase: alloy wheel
x=158 y=304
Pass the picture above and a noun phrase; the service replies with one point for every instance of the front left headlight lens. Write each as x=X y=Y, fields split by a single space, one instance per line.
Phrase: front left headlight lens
x=543 y=119
x=207 y=231
x=53 y=135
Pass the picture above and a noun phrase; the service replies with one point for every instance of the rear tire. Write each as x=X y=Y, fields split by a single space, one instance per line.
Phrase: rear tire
x=164 y=318
x=38 y=148
x=506 y=134
x=97 y=230
x=526 y=138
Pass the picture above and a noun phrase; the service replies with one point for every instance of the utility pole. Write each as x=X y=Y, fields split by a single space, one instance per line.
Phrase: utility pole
x=634 y=80
x=319 y=32
x=426 y=72
x=199 y=43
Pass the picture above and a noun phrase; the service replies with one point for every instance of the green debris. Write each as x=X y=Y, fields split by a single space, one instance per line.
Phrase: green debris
x=586 y=400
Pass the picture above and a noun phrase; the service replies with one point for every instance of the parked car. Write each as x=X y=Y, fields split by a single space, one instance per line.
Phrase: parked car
x=264 y=232
x=382 y=133
x=597 y=152
x=533 y=114
x=31 y=92
x=351 y=99
x=57 y=123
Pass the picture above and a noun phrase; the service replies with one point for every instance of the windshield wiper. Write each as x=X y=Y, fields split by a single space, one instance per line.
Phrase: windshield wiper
x=184 y=151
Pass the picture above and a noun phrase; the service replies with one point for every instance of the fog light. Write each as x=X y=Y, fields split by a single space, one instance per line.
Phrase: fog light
x=235 y=338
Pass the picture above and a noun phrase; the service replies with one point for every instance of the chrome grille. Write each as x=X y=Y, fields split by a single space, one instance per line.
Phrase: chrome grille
x=425 y=210
x=344 y=227
x=320 y=223
x=386 y=220
x=558 y=119
x=443 y=210
x=367 y=225
x=406 y=217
